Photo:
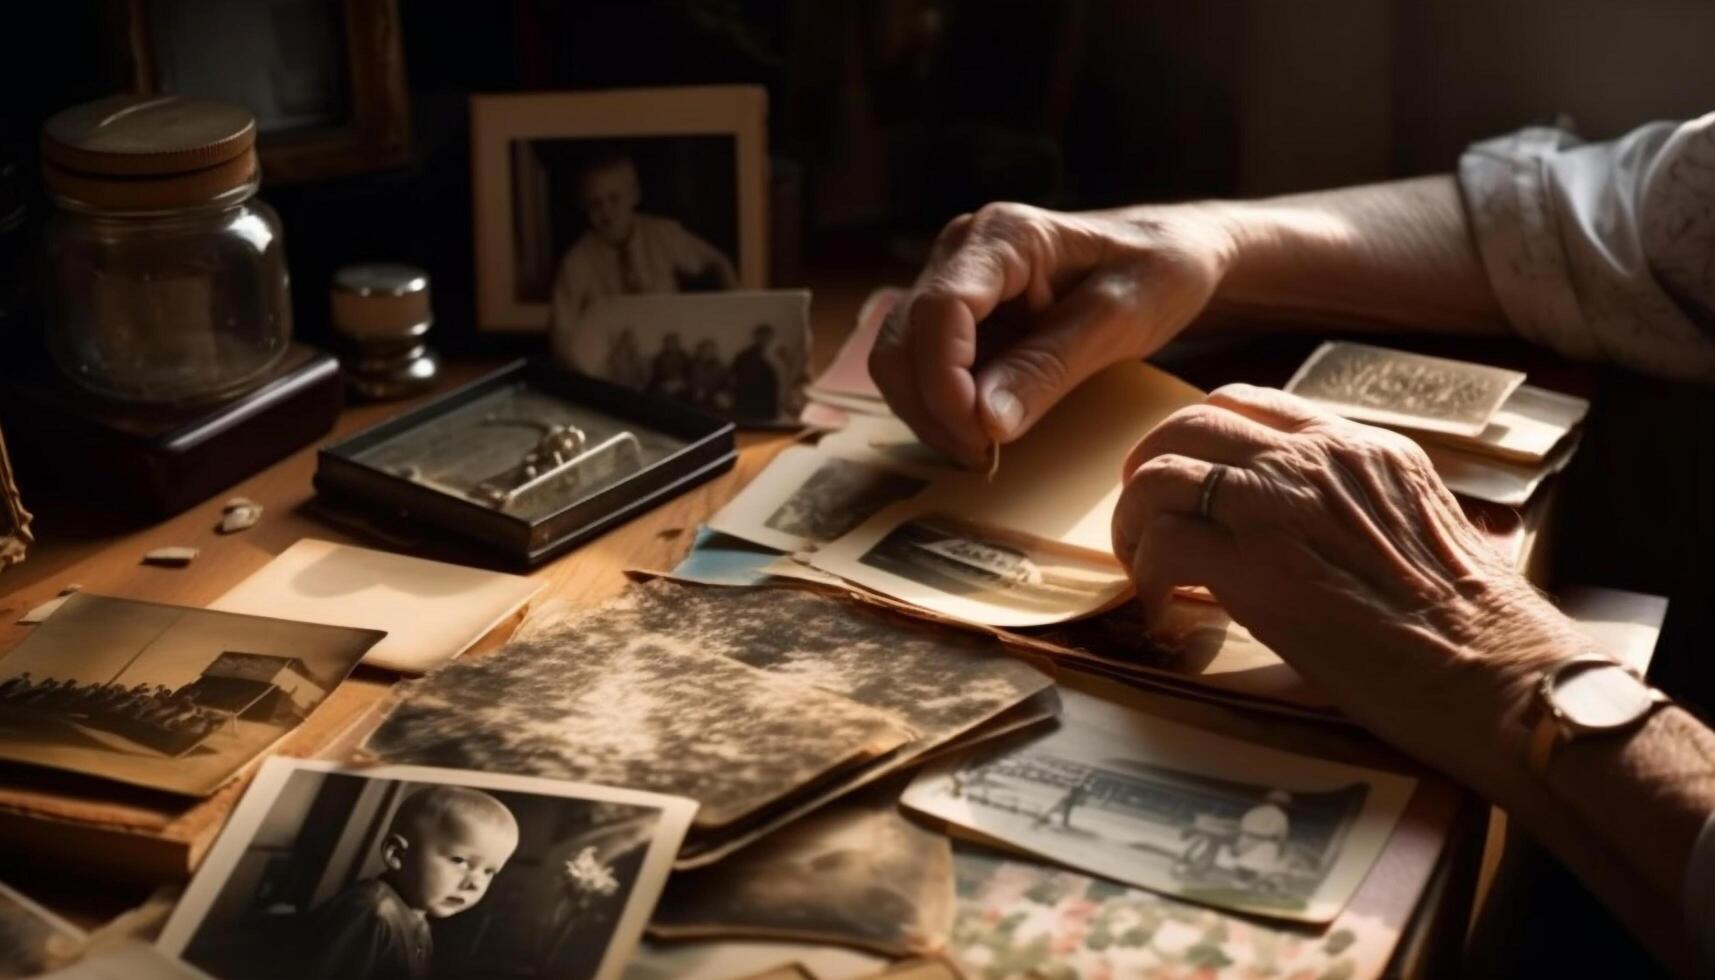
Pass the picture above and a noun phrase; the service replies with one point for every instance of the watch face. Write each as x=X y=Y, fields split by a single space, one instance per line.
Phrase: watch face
x=1601 y=696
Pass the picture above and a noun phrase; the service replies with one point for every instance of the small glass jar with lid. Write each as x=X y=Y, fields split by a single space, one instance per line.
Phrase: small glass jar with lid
x=165 y=279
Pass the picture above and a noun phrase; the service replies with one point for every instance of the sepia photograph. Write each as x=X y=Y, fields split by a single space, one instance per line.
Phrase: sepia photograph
x=416 y=872
x=597 y=218
x=585 y=196
x=806 y=498
x=741 y=355
x=32 y=939
x=1175 y=809
x=1376 y=384
x=613 y=695
x=939 y=681
x=857 y=872
x=983 y=574
x=168 y=697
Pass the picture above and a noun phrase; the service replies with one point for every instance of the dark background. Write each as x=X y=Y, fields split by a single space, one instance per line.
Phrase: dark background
x=687 y=178
x=889 y=116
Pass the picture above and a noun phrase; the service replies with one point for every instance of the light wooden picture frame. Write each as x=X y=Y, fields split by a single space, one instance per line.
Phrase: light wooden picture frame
x=699 y=156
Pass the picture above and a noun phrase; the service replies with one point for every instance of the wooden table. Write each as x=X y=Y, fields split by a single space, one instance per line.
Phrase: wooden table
x=103 y=555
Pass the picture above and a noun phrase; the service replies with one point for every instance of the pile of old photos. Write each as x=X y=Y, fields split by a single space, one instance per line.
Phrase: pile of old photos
x=835 y=742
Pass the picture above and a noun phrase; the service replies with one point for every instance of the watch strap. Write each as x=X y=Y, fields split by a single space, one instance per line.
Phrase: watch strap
x=1545 y=734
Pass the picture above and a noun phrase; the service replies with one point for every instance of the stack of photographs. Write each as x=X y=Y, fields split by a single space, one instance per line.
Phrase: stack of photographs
x=761 y=704
x=1490 y=436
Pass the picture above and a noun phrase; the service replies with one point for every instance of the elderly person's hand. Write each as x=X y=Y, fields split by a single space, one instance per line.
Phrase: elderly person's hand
x=1338 y=546
x=1088 y=290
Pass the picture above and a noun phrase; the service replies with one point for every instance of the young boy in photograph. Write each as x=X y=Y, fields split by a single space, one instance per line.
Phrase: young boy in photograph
x=627 y=250
x=441 y=852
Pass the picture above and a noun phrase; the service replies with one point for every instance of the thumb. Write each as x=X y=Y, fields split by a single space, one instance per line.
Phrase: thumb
x=1069 y=341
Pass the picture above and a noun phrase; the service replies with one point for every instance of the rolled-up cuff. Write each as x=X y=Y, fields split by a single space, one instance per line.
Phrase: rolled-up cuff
x=1505 y=185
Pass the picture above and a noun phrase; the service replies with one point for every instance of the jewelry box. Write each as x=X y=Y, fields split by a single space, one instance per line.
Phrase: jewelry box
x=530 y=461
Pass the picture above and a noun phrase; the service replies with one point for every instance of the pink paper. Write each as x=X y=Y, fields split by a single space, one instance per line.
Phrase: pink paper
x=849 y=372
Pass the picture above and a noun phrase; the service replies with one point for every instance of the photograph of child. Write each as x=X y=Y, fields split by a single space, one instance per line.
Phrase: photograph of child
x=410 y=874
x=583 y=196
x=624 y=249
x=443 y=849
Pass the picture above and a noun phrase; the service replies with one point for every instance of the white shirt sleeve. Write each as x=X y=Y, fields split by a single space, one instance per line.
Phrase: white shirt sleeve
x=1603 y=251
x=1700 y=895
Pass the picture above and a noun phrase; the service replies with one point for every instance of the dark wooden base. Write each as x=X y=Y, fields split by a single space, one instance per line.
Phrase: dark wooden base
x=158 y=462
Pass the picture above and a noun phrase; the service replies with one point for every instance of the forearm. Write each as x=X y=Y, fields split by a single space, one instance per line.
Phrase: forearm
x=1398 y=255
x=1624 y=815
x=1622 y=811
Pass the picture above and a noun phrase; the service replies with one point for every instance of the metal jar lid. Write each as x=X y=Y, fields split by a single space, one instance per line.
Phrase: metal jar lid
x=145 y=152
x=381 y=300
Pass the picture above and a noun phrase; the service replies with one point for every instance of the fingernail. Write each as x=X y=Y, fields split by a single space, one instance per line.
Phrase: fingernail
x=1006 y=409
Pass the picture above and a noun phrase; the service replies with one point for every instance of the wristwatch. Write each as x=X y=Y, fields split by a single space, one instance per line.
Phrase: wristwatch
x=1586 y=696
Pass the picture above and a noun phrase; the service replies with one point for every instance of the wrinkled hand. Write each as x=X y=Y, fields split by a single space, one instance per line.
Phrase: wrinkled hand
x=1082 y=291
x=1337 y=545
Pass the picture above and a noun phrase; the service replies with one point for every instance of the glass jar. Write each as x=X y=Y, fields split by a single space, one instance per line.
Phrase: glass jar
x=165 y=278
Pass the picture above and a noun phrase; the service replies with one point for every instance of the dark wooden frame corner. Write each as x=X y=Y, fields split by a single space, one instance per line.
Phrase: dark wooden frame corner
x=376 y=133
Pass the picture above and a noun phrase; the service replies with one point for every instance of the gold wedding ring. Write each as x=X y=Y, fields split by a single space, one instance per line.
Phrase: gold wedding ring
x=1211 y=482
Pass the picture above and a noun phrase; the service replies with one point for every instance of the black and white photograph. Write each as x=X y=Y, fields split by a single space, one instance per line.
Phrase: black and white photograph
x=1376 y=384
x=168 y=697
x=857 y=872
x=741 y=355
x=1175 y=809
x=596 y=218
x=939 y=681
x=414 y=872
x=610 y=695
x=984 y=574
x=806 y=498
x=32 y=939
x=585 y=196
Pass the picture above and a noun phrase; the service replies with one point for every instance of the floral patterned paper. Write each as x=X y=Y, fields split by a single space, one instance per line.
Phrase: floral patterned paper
x=1017 y=919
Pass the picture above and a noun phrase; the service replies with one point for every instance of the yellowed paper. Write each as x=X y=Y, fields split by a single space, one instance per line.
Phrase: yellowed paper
x=1033 y=544
x=432 y=611
x=1175 y=809
x=1528 y=426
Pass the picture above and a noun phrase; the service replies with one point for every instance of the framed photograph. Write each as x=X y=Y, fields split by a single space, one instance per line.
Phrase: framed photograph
x=325 y=78
x=168 y=697
x=740 y=355
x=581 y=196
x=402 y=871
